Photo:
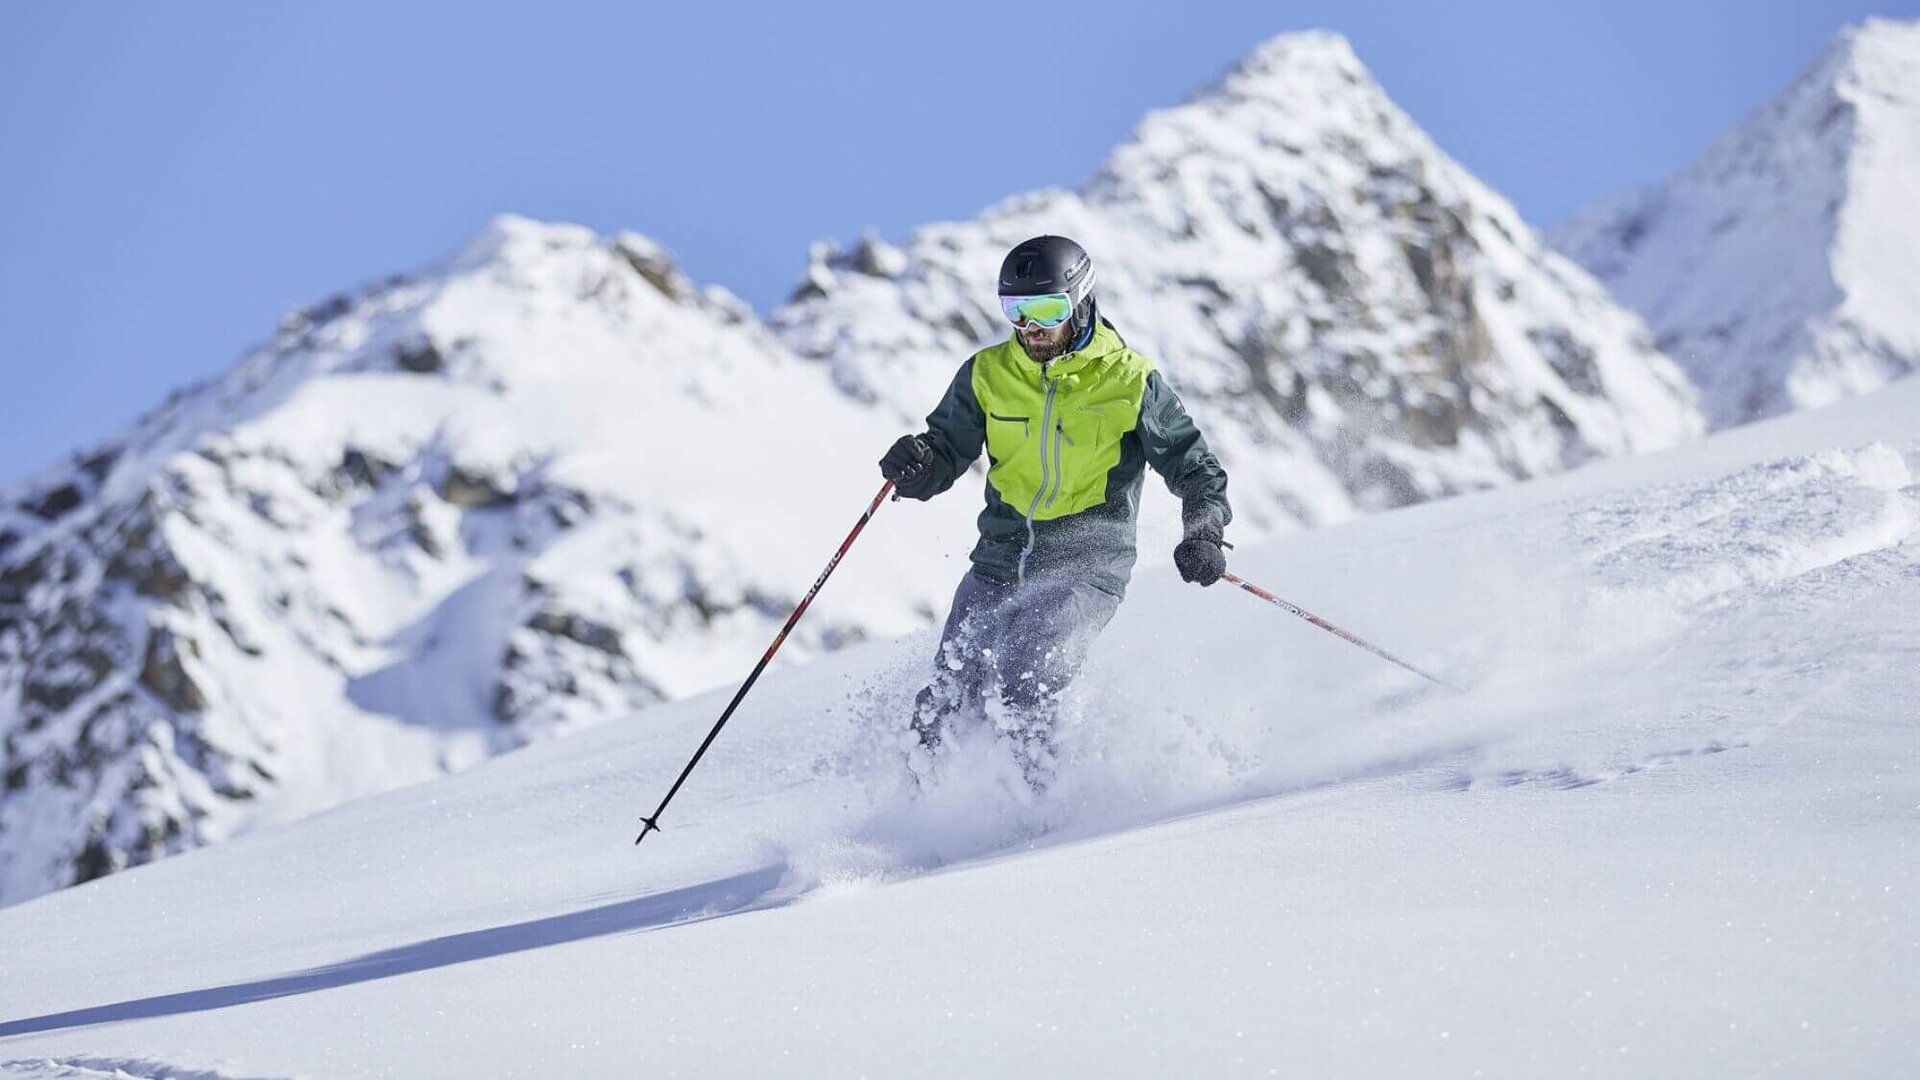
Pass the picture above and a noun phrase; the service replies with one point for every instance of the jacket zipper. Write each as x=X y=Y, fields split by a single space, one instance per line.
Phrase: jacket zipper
x=1046 y=422
x=1059 y=474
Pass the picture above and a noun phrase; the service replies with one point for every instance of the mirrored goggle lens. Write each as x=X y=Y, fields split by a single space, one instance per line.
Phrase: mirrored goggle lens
x=1050 y=310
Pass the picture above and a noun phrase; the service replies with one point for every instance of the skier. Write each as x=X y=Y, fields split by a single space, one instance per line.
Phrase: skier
x=1069 y=415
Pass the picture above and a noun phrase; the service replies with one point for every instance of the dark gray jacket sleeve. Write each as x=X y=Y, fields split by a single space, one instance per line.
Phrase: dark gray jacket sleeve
x=1178 y=452
x=956 y=431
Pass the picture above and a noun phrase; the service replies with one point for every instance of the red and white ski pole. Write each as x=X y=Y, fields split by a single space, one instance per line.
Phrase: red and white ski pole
x=1332 y=629
x=652 y=824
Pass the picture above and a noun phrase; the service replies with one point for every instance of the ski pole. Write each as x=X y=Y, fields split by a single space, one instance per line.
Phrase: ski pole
x=652 y=823
x=1332 y=629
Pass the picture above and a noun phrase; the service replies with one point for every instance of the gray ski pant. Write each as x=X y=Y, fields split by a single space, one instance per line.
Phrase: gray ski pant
x=1019 y=644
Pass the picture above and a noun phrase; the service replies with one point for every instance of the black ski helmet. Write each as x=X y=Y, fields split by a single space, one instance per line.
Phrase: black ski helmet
x=1051 y=264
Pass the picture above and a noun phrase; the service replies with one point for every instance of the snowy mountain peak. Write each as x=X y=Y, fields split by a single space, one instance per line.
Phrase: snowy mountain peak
x=513 y=237
x=1861 y=87
x=1361 y=322
x=522 y=249
x=1779 y=267
x=1294 y=93
x=1285 y=65
x=1877 y=57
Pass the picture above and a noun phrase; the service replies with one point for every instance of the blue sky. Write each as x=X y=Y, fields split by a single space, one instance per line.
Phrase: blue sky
x=174 y=177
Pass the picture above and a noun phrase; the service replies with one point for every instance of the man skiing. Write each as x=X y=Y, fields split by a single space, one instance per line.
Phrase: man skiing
x=1069 y=417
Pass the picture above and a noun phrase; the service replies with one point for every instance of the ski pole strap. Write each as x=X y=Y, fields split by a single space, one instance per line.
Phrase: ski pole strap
x=1323 y=624
x=651 y=824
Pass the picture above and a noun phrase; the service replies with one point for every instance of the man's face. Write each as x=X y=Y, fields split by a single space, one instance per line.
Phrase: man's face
x=1041 y=343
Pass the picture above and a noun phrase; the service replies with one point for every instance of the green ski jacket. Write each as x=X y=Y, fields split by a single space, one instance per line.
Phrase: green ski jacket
x=1067 y=442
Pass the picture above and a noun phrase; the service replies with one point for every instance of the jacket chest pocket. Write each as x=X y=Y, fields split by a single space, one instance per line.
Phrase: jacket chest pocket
x=1007 y=434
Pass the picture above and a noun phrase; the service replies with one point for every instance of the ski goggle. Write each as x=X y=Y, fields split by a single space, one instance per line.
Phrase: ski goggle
x=1049 y=310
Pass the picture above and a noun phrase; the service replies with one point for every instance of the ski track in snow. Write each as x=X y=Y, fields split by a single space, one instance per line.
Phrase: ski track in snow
x=1697 y=586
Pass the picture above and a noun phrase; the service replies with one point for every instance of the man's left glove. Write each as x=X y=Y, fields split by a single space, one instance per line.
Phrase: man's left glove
x=1199 y=557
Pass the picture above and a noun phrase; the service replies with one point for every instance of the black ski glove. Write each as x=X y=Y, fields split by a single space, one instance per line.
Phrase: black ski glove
x=906 y=459
x=1199 y=557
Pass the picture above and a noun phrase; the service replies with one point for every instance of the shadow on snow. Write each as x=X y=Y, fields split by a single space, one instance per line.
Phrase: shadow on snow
x=725 y=896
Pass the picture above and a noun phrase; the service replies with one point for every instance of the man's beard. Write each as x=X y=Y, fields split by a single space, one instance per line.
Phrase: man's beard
x=1041 y=353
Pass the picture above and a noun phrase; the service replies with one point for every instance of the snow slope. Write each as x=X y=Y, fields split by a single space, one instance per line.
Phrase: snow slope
x=1780 y=269
x=1670 y=831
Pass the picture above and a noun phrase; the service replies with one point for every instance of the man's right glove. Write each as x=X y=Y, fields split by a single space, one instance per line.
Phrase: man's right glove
x=1199 y=557
x=906 y=459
